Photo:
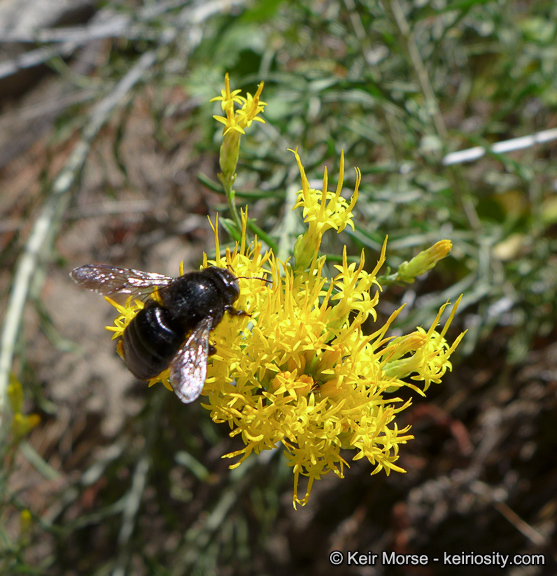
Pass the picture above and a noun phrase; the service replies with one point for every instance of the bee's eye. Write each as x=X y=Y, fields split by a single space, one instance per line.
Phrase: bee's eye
x=234 y=290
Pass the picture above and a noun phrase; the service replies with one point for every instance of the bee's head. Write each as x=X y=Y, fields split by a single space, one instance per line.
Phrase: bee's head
x=226 y=282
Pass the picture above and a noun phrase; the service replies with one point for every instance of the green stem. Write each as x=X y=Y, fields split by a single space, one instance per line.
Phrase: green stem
x=227 y=183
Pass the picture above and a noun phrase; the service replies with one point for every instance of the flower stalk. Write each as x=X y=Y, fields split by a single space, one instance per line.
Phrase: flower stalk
x=235 y=122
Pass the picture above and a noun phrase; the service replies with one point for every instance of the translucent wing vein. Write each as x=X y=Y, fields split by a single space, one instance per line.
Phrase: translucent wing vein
x=188 y=369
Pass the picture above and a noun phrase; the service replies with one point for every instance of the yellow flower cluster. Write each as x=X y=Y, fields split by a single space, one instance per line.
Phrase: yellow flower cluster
x=321 y=210
x=299 y=370
x=239 y=118
x=235 y=122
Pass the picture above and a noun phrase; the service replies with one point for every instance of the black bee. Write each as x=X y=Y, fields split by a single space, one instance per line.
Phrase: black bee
x=173 y=331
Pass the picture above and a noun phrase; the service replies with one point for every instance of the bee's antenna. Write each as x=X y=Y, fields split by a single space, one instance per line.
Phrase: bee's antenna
x=250 y=277
x=255 y=278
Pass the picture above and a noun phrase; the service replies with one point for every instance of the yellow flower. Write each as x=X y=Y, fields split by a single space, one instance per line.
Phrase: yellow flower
x=235 y=122
x=424 y=261
x=242 y=118
x=322 y=210
x=25 y=522
x=21 y=423
x=299 y=370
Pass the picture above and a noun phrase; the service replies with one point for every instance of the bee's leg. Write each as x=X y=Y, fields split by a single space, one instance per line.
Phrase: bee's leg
x=235 y=312
x=212 y=349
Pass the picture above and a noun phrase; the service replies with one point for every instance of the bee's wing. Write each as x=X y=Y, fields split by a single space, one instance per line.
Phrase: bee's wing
x=188 y=369
x=109 y=280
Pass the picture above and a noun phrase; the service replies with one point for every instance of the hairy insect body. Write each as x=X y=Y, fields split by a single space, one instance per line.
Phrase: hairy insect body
x=150 y=342
x=172 y=330
x=156 y=334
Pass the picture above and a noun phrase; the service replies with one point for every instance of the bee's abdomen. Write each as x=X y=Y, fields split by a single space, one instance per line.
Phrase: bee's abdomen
x=150 y=343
